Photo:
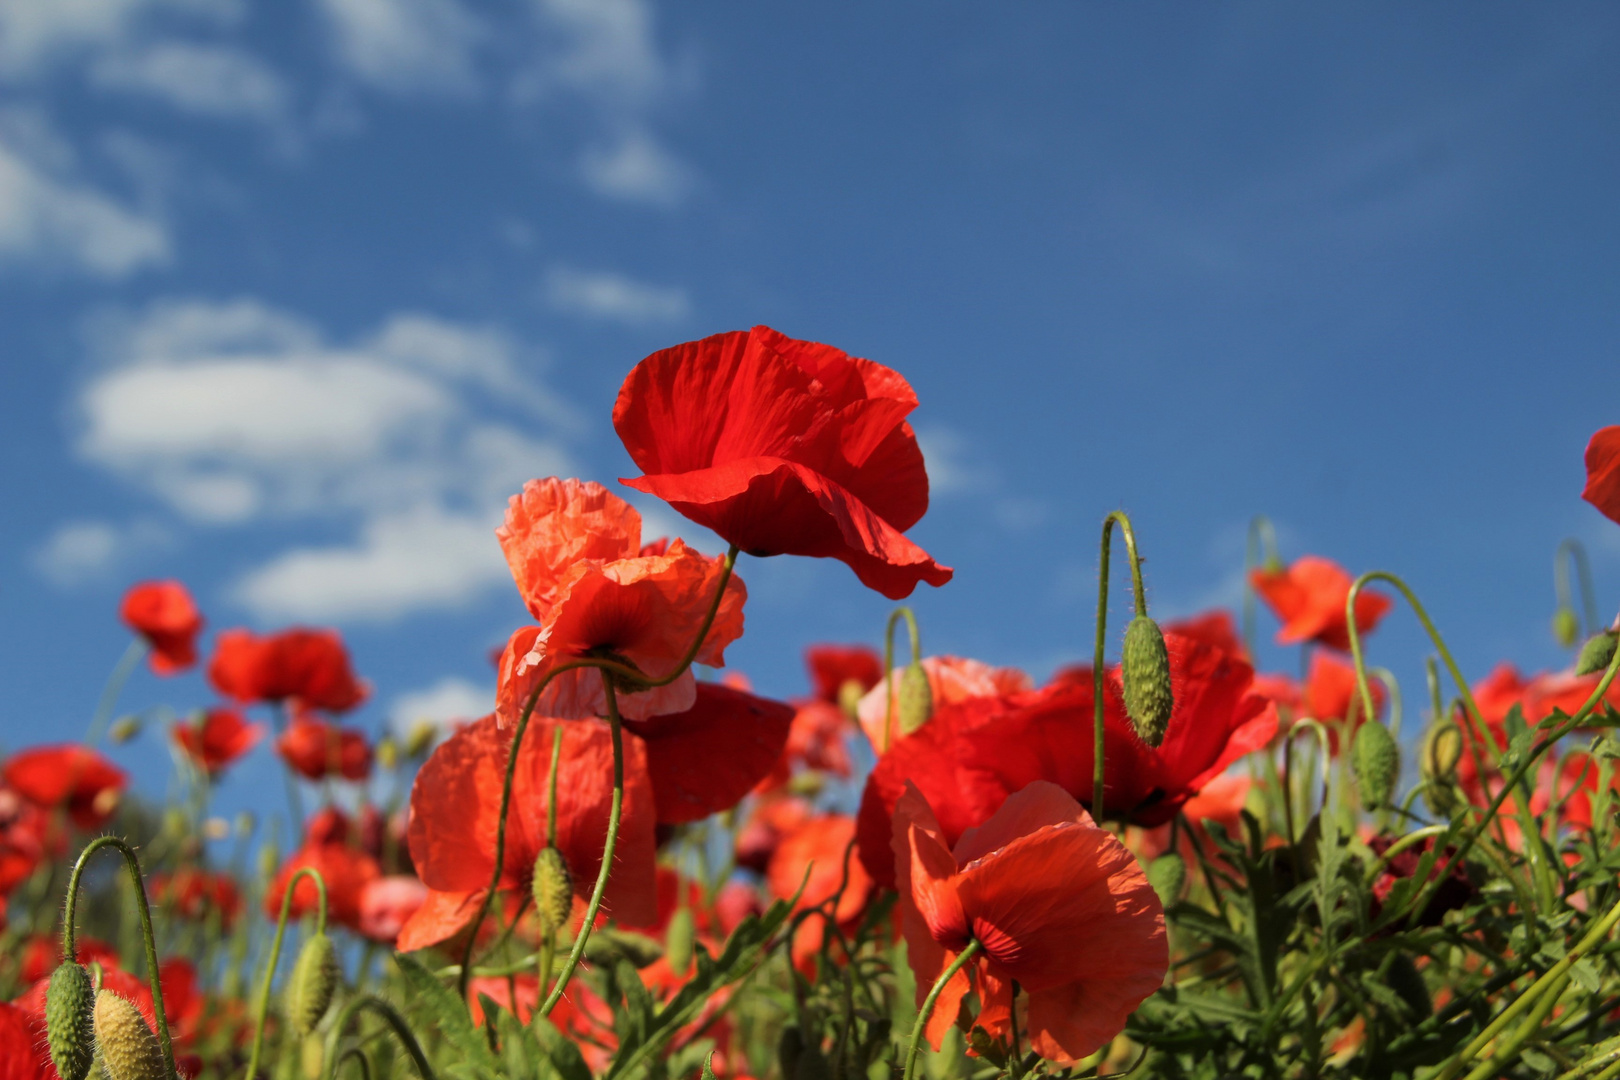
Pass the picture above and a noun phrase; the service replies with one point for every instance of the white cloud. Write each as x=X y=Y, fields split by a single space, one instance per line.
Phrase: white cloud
x=80 y=551
x=425 y=559
x=406 y=45
x=634 y=168
x=35 y=32
x=50 y=218
x=954 y=467
x=205 y=80
x=442 y=704
x=603 y=295
x=603 y=48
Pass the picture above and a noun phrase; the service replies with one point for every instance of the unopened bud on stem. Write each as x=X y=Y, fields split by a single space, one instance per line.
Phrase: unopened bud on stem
x=916 y=698
x=678 y=940
x=1596 y=653
x=70 y=1004
x=1375 y=758
x=129 y=1050
x=849 y=697
x=314 y=979
x=553 y=889
x=1566 y=626
x=1146 y=671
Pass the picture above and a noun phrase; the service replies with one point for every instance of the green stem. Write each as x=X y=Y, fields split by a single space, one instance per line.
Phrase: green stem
x=1573 y=551
x=614 y=809
x=391 y=1017
x=551 y=790
x=1262 y=545
x=927 y=1009
x=275 y=956
x=888 y=667
x=359 y=1056
x=70 y=953
x=1124 y=522
x=121 y=672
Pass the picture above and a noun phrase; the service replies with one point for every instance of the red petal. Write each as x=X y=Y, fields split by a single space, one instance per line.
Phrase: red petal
x=1603 y=472
x=707 y=758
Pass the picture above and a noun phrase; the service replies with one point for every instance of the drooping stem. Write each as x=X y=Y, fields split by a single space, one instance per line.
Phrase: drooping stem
x=927 y=1008
x=627 y=676
x=1260 y=550
x=1573 y=551
x=121 y=672
x=548 y=944
x=391 y=1017
x=275 y=956
x=1124 y=522
x=614 y=809
x=888 y=667
x=69 y=953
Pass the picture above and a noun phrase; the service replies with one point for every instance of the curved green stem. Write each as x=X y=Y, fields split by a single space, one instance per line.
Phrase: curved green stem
x=888 y=667
x=625 y=675
x=359 y=1056
x=1261 y=545
x=390 y=1016
x=1393 y=688
x=275 y=956
x=70 y=953
x=614 y=809
x=1573 y=551
x=1124 y=522
x=115 y=686
x=927 y=1009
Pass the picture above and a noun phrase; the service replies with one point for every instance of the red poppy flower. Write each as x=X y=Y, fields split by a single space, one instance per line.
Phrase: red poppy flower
x=22 y=840
x=574 y=550
x=1056 y=904
x=310 y=667
x=784 y=447
x=70 y=777
x=972 y=755
x=217 y=739
x=1603 y=472
x=455 y=809
x=1327 y=695
x=198 y=894
x=316 y=749
x=819 y=846
x=770 y=819
x=387 y=904
x=1455 y=890
x=43 y=953
x=832 y=667
x=23 y=1054
x=1309 y=598
x=951 y=679
x=346 y=870
x=1213 y=628
x=162 y=612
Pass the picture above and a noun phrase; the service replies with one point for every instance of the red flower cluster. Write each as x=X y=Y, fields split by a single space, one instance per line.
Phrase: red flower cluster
x=163 y=613
x=308 y=667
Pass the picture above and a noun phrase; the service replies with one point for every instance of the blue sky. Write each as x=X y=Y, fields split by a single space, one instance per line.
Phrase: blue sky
x=295 y=294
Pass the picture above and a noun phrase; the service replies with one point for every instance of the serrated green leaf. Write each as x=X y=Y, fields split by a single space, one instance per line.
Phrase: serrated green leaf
x=446 y=1012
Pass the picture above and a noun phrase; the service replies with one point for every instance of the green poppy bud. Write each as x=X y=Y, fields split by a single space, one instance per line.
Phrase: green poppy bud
x=387 y=754
x=124 y=729
x=1596 y=654
x=1146 y=667
x=1437 y=762
x=916 y=698
x=1375 y=758
x=70 y=1005
x=314 y=979
x=419 y=740
x=553 y=889
x=129 y=1050
x=849 y=697
x=678 y=939
x=311 y=1056
x=1167 y=874
x=1566 y=627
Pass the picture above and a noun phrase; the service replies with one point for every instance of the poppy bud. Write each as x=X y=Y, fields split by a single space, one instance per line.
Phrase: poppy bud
x=387 y=754
x=849 y=697
x=1146 y=668
x=1167 y=874
x=678 y=939
x=69 y=1020
x=124 y=729
x=420 y=738
x=311 y=1056
x=314 y=978
x=553 y=888
x=129 y=1050
x=1596 y=653
x=1375 y=758
x=1437 y=762
x=1566 y=626
x=916 y=698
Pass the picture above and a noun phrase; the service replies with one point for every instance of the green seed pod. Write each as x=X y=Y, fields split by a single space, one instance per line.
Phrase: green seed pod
x=1375 y=758
x=916 y=698
x=1437 y=762
x=129 y=1050
x=70 y=1006
x=1167 y=874
x=1146 y=666
x=1566 y=627
x=124 y=729
x=314 y=979
x=553 y=890
x=849 y=697
x=1596 y=653
x=678 y=939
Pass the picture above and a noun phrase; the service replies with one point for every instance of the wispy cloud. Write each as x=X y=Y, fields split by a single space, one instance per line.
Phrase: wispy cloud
x=633 y=167
x=406 y=46
x=203 y=80
x=80 y=551
x=441 y=704
x=614 y=297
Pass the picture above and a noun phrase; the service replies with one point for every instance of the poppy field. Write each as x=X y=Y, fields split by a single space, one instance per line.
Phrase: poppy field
x=1160 y=862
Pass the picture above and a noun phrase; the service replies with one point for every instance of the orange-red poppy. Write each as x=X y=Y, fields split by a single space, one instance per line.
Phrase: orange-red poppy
x=1309 y=597
x=770 y=818
x=1603 y=472
x=217 y=738
x=387 y=904
x=1058 y=906
x=67 y=777
x=973 y=754
x=1328 y=693
x=26 y=1055
x=347 y=871
x=455 y=810
x=1214 y=627
x=316 y=749
x=832 y=667
x=784 y=447
x=574 y=550
x=194 y=893
x=819 y=846
x=951 y=679
x=22 y=839
x=163 y=613
x=309 y=667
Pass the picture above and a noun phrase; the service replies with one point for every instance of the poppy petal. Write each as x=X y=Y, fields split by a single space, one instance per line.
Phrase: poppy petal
x=1603 y=472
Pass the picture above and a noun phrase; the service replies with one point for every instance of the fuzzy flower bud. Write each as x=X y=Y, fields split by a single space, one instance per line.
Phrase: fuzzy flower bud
x=129 y=1050
x=314 y=979
x=1146 y=669
x=849 y=697
x=1596 y=653
x=1437 y=762
x=419 y=740
x=678 y=940
x=1375 y=758
x=1566 y=626
x=69 y=1020
x=553 y=890
x=916 y=698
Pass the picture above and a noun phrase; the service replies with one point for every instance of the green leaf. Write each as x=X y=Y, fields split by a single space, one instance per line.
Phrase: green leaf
x=446 y=1013
x=1585 y=974
x=564 y=1056
x=520 y=1050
